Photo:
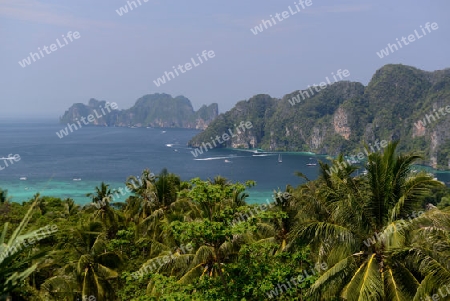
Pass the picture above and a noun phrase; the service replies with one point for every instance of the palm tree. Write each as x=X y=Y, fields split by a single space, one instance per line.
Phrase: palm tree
x=154 y=203
x=167 y=186
x=71 y=208
x=102 y=194
x=143 y=201
x=153 y=206
x=210 y=231
x=91 y=274
x=15 y=267
x=277 y=227
x=95 y=269
x=356 y=225
x=104 y=211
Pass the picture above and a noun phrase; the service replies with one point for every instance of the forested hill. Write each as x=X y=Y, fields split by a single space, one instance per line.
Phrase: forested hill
x=345 y=115
x=155 y=110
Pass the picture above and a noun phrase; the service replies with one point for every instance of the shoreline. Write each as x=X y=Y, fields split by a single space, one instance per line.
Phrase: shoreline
x=262 y=151
x=23 y=191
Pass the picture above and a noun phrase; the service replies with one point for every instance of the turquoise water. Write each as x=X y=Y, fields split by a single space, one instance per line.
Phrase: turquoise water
x=24 y=190
x=111 y=154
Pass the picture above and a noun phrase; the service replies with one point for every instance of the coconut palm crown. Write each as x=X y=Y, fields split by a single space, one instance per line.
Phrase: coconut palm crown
x=369 y=231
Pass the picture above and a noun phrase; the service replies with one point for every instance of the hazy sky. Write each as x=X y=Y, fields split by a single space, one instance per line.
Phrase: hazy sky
x=117 y=58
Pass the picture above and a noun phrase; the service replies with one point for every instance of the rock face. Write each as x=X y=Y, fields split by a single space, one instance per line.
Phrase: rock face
x=155 y=110
x=94 y=108
x=345 y=115
x=340 y=123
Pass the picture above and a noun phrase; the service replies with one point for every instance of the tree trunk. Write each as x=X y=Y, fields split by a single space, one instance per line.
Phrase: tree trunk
x=220 y=270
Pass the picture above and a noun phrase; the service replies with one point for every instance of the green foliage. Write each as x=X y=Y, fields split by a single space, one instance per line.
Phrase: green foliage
x=17 y=259
x=200 y=240
x=345 y=115
x=444 y=203
x=359 y=225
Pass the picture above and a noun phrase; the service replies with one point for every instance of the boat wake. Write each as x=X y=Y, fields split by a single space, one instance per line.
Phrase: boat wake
x=217 y=158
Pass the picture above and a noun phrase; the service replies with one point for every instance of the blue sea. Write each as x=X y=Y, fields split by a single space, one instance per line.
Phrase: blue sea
x=73 y=166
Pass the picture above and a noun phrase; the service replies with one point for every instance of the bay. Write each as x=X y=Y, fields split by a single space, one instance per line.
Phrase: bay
x=111 y=154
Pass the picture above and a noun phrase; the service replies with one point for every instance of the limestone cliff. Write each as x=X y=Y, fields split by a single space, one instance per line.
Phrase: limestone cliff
x=345 y=115
x=155 y=110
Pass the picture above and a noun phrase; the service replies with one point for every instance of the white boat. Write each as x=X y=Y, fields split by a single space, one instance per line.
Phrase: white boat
x=227 y=161
x=279 y=158
x=169 y=145
x=76 y=179
x=23 y=178
x=311 y=164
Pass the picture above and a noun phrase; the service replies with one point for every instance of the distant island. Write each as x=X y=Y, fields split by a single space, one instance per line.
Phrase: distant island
x=399 y=103
x=152 y=110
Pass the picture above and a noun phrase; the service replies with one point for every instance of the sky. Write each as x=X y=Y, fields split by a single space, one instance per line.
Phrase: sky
x=117 y=58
